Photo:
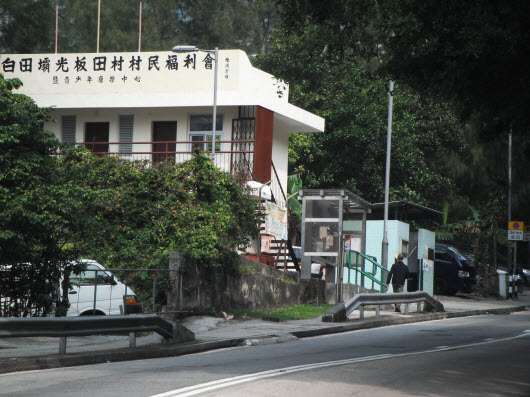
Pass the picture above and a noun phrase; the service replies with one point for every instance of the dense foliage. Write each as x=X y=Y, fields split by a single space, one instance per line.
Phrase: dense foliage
x=39 y=214
x=458 y=67
x=128 y=215
x=354 y=101
x=28 y=26
x=473 y=55
x=139 y=211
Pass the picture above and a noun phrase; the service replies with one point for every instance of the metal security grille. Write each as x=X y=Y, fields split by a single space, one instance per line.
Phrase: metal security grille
x=244 y=135
x=68 y=129
x=126 y=124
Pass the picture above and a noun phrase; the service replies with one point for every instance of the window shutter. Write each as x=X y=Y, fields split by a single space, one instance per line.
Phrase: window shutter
x=68 y=129
x=126 y=133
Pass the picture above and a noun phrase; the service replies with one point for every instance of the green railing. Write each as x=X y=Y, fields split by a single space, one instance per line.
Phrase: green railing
x=354 y=260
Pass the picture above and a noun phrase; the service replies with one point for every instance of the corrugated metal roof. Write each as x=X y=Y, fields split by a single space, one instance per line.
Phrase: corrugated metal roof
x=407 y=204
x=351 y=200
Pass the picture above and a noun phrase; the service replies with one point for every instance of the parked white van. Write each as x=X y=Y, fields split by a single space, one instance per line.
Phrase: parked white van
x=111 y=296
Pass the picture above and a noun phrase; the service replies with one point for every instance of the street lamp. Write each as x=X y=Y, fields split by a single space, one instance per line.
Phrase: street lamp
x=384 y=248
x=190 y=48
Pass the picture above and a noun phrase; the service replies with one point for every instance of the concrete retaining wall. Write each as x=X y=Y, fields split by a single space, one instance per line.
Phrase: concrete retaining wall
x=253 y=286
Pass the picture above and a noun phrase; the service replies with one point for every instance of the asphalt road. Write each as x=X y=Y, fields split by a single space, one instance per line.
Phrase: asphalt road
x=471 y=356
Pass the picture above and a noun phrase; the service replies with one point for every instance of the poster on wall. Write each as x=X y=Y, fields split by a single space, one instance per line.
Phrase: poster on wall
x=347 y=243
x=275 y=221
x=266 y=244
x=427 y=265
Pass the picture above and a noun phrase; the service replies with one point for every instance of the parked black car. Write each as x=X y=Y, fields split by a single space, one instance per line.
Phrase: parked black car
x=452 y=271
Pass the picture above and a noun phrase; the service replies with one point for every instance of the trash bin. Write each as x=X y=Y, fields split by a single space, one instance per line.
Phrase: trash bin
x=503 y=283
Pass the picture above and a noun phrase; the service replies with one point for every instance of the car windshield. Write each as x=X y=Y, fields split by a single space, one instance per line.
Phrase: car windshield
x=457 y=253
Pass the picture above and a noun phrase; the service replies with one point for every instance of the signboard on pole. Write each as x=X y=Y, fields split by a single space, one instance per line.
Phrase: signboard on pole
x=526 y=233
x=515 y=231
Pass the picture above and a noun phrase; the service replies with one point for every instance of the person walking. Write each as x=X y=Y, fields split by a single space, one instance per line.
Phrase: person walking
x=399 y=272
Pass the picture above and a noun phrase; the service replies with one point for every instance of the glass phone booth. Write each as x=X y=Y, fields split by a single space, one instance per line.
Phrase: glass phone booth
x=322 y=236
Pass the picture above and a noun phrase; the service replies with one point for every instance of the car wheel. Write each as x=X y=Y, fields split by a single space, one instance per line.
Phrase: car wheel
x=91 y=313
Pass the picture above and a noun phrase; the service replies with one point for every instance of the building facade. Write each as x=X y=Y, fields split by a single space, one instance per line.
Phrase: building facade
x=158 y=106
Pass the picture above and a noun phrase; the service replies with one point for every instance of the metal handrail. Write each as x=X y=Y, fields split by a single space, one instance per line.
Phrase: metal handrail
x=84 y=325
x=277 y=189
x=365 y=273
x=341 y=312
x=63 y=327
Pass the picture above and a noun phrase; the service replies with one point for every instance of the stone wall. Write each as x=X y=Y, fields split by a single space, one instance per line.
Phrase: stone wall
x=253 y=286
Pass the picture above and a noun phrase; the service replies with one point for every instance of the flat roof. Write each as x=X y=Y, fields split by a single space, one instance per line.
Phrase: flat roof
x=154 y=80
x=351 y=201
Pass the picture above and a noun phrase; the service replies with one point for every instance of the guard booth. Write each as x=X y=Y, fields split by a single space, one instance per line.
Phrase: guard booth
x=417 y=245
x=398 y=235
x=323 y=238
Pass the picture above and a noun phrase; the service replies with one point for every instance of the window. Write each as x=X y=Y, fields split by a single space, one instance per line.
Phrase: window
x=201 y=132
x=404 y=248
x=126 y=124
x=68 y=129
x=442 y=255
x=88 y=277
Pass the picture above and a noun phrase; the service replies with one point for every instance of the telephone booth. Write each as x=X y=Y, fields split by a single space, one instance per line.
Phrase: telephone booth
x=323 y=239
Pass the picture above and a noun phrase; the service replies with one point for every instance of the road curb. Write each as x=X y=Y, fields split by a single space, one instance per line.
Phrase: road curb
x=382 y=322
x=99 y=357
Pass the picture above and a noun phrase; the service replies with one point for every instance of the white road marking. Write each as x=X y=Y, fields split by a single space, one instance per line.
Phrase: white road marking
x=218 y=384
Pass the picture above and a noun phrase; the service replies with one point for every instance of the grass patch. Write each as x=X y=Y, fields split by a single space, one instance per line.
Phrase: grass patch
x=287 y=280
x=300 y=312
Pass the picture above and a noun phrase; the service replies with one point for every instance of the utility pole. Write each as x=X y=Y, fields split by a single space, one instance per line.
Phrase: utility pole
x=384 y=245
x=511 y=263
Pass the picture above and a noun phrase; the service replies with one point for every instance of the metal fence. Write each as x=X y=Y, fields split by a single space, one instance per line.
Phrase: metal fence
x=227 y=158
x=138 y=281
x=149 y=285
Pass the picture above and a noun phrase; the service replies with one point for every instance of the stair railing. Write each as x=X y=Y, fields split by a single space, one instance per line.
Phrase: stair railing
x=360 y=269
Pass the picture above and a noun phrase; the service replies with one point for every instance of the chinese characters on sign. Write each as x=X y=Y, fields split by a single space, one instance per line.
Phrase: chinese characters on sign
x=515 y=235
x=276 y=221
x=227 y=67
x=98 y=69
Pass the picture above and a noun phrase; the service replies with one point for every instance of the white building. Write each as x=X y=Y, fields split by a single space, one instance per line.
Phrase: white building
x=158 y=106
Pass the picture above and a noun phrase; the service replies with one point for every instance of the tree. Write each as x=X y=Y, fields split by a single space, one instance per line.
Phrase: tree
x=39 y=211
x=340 y=86
x=26 y=26
x=473 y=53
x=294 y=185
x=141 y=212
x=78 y=23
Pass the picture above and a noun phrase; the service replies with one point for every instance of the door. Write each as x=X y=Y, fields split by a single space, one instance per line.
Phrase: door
x=242 y=157
x=97 y=132
x=445 y=272
x=164 y=131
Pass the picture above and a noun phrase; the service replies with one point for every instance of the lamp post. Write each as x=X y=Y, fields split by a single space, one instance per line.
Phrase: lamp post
x=190 y=48
x=384 y=248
